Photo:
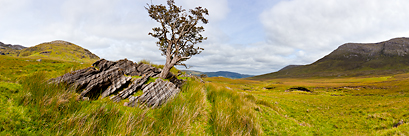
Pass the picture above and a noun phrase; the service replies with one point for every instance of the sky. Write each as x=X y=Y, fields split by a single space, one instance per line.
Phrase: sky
x=245 y=36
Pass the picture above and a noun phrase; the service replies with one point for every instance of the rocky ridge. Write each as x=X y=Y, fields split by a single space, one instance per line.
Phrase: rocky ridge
x=15 y=47
x=6 y=48
x=393 y=47
x=111 y=77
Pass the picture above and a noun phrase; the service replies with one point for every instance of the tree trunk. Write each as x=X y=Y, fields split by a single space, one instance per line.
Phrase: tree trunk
x=165 y=71
x=170 y=62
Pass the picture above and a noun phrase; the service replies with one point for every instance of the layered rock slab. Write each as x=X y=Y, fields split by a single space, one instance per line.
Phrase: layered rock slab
x=154 y=94
x=107 y=77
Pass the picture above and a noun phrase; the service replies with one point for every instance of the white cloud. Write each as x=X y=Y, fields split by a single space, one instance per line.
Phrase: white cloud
x=317 y=27
x=297 y=31
x=111 y=29
x=248 y=59
x=218 y=9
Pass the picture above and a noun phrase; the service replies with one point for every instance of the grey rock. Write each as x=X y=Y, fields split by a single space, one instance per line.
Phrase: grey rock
x=155 y=94
x=399 y=123
x=15 y=47
x=132 y=88
x=107 y=77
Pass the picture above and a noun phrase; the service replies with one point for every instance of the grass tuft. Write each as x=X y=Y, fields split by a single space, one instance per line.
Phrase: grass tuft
x=232 y=113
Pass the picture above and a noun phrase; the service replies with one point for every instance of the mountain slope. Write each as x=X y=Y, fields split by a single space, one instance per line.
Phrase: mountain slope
x=58 y=50
x=226 y=74
x=354 y=59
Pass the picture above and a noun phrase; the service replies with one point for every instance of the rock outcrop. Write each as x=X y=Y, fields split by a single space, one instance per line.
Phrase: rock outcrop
x=14 y=47
x=6 y=49
x=107 y=77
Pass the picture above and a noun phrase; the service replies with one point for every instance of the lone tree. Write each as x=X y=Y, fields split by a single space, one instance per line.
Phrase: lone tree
x=178 y=32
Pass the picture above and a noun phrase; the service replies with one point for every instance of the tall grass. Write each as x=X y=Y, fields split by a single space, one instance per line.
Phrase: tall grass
x=232 y=113
x=186 y=114
x=33 y=106
x=46 y=103
x=50 y=109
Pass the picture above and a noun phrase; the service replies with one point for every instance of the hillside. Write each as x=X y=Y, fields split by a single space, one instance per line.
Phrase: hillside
x=57 y=50
x=226 y=74
x=354 y=59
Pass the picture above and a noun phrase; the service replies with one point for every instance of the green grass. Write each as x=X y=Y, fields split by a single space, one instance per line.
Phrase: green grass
x=50 y=109
x=232 y=113
x=32 y=106
x=221 y=106
x=336 y=106
x=14 y=68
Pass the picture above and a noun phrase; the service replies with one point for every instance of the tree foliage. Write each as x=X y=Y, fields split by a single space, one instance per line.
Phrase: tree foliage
x=178 y=32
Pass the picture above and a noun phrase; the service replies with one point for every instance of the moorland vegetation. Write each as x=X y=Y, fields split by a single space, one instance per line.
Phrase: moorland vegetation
x=33 y=106
x=348 y=92
x=368 y=105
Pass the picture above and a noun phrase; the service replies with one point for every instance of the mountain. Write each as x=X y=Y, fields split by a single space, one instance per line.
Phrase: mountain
x=226 y=74
x=58 y=50
x=354 y=59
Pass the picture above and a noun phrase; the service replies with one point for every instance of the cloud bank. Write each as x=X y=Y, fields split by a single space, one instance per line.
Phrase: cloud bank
x=249 y=37
x=316 y=27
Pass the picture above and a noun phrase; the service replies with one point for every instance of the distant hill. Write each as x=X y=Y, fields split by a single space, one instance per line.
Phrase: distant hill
x=354 y=59
x=226 y=74
x=59 y=50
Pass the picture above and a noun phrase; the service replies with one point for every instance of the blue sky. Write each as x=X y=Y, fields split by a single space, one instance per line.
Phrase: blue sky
x=245 y=36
